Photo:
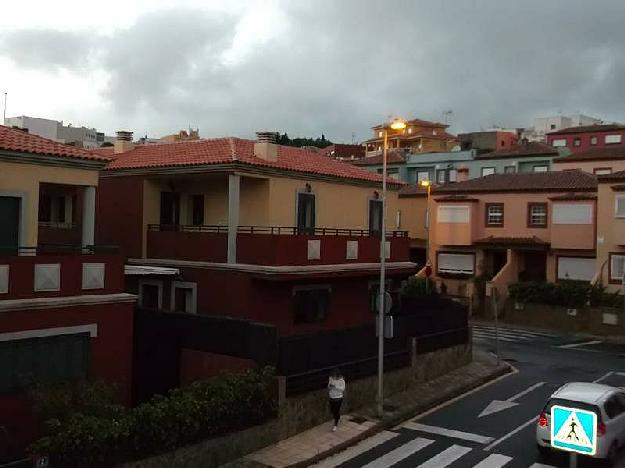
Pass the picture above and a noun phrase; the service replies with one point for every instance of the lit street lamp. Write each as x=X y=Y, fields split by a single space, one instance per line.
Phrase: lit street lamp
x=396 y=125
x=428 y=185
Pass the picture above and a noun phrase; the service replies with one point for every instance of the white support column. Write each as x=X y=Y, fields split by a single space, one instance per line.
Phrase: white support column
x=234 y=185
x=88 y=216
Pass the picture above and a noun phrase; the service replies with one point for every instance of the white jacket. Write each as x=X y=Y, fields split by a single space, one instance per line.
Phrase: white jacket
x=336 y=387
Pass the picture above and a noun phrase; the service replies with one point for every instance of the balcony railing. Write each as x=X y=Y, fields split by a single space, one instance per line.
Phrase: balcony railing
x=274 y=245
x=59 y=270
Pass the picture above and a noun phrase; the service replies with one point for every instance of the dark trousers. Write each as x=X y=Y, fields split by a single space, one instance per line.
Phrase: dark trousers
x=335 y=408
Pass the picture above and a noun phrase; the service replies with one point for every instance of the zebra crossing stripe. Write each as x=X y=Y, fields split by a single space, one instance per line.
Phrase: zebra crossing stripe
x=509 y=335
x=356 y=450
x=446 y=457
x=531 y=334
x=492 y=337
x=414 y=426
x=540 y=465
x=397 y=455
x=493 y=461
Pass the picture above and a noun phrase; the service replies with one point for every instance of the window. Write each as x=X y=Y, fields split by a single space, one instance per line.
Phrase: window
x=602 y=170
x=441 y=176
x=577 y=141
x=423 y=175
x=614 y=407
x=487 y=171
x=409 y=129
x=617 y=267
x=537 y=215
x=380 y=134
x=170 y=208
x=541 y=168
x=455 y=263
x=593 y=140
x=552 y=126
x=576 y=268
x=619 y=206
x=494 y=214
x=197 y=210
x=374 y=294
x=150 y=295
x=612 y=139
x=306 y=213
x=52 y=209
x=375 y=217
x=394 y=174
x=47 y=361
x=183 y=297
x=453 y=175
x=509 y=169
x=572 y=213
x=311 y=304
x=453 y=214
x=559 y=142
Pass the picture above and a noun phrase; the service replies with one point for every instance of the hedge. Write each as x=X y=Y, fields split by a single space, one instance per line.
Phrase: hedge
x=566 y=293
x=87 y=437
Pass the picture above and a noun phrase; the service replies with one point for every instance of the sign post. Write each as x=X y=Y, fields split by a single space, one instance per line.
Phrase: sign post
x=573 y=430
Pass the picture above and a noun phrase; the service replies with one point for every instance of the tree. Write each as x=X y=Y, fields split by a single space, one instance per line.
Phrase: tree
x=283 y=139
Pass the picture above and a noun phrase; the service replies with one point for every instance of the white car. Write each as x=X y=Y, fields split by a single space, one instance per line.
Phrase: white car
x=608 y=403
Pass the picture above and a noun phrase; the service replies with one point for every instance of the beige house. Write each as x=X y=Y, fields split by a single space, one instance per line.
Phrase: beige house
x=611 y=231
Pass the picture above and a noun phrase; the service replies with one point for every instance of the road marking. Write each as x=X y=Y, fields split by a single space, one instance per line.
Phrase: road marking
x=510 y=434
x=448 y=432
x=517 y=336
x=356 y=450
x=577 y=345
x=397 y=455
x=446 y=457
x=540 y=465
x=466 y=394
x=603 y=377
x=622 y=374
x=501 y=338
x=517 y=331
x=496 y=406
x=493 y=461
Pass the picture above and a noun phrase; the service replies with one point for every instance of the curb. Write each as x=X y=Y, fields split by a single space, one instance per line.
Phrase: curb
x=397 y=418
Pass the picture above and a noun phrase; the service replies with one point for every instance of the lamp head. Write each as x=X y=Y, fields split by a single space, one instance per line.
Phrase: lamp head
x=398 y=124
x=425 y=183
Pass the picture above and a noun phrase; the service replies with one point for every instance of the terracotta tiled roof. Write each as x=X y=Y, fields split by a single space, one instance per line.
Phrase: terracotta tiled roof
x=15 y=140
x=419 y=122
x=412 y=191
x=239 y=151
x=597 y=154
x=560 y=181
x=458 y=198
x=614 y=177
x=392 y=157
x=520 y=241
x=588 y=128
x=103 y=151
x=529 y=149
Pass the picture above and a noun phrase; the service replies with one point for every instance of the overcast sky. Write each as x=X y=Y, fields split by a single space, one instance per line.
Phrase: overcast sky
x=307 y=67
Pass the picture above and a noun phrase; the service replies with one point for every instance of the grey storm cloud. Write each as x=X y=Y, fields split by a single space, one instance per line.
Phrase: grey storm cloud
x=340 y=67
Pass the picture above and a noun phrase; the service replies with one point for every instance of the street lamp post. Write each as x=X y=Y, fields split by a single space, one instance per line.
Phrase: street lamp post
x=428 y=185
x=395 y=125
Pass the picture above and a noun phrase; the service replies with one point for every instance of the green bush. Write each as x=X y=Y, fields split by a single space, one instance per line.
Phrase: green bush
x=417 y=286
x=565 y=293
x=103 y=434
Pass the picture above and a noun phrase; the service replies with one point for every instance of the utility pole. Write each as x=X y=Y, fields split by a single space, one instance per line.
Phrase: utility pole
x=4 y=115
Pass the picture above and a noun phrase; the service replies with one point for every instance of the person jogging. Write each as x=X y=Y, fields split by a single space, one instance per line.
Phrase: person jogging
x=336 y=389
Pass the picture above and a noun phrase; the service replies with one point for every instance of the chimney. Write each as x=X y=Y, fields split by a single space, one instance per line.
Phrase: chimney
x=123 y=142
x=265 y=146
x=462 y=174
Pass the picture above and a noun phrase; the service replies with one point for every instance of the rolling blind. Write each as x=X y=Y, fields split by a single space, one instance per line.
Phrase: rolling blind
x=572 y=213
x=453 y=214
x=575 y=268
x=455 y=263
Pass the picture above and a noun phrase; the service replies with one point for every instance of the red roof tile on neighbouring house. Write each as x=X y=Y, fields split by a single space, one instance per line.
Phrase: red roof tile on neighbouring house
x=392 y=157
x=235 y=150
x=560 y=181
x=413 y=191
x=614 y=177
x=575 y=196
x=519 y=241
x=589 y=128
x=598 y=154
x=456 y=198
x=19 y=141
x=522 y=149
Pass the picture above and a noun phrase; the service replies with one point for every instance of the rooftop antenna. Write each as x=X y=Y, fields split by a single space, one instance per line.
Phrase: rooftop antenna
x=447 y=114
x=4 y=115
x=353 y=138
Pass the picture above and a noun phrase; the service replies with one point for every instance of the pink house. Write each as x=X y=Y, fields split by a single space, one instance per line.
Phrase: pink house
x=598 y=161
x=514 y=227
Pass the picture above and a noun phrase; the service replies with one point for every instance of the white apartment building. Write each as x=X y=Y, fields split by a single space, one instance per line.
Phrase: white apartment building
x=55 y=130
x=544 y=125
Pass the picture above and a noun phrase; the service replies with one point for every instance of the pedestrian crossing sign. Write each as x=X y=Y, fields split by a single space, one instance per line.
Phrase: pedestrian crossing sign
x=574 y=430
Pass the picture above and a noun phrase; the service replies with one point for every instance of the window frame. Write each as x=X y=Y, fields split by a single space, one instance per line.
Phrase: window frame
x=612 y=279
x=530 y=205
x=507 y=171
x=577 y=141
x=303 y=229
x=183 y=285
x=487 y=221
x=371 y=203
x=618 y=139
x=494 y=169
x=594 y=140
x=309 y=288
x=602 y=170
x=423 y=172
x=450 y=273
x=558 y=143
x=558 y=257
x=159 y=286
x=540 y=166
x=616 y=205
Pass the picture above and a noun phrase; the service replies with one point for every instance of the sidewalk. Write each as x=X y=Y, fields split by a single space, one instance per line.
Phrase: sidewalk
x=320 y=442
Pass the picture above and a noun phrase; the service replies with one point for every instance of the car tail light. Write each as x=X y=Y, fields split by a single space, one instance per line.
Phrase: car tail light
x=600 y=429
x=542 y=420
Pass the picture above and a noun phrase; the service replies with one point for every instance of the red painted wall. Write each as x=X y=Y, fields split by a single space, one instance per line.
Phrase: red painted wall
x=22 y=271
x=199 y=365
x=119 y=208
x=110 y=354
x=585 y=140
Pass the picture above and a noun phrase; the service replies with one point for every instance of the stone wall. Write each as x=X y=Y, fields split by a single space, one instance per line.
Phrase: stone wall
x=299 y=413
x=592 y=320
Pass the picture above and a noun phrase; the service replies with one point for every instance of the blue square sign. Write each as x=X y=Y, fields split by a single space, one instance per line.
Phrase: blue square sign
x=573 y=430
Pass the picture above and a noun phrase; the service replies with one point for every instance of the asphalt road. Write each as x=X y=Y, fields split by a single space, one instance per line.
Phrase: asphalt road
x=494 y=426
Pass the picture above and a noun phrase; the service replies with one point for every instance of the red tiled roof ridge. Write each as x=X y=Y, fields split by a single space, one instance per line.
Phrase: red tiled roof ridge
x=602 y=127
x=19 y=141
x=520 y=149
